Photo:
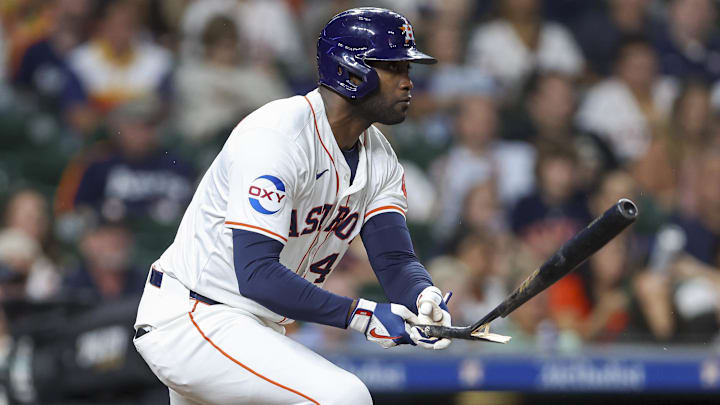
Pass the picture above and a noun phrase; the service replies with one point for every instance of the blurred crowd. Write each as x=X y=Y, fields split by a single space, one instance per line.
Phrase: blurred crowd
x=538 y=117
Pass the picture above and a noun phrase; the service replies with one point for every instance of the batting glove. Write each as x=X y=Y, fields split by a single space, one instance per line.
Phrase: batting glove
x=385 y=324
x=432 y=310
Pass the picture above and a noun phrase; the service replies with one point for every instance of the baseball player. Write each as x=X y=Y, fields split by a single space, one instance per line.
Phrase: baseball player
x=296 y=181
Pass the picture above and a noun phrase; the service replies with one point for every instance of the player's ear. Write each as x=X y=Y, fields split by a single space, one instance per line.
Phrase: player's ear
x=355 y=79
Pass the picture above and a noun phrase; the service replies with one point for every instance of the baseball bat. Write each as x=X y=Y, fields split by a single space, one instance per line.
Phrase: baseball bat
x=566 y=259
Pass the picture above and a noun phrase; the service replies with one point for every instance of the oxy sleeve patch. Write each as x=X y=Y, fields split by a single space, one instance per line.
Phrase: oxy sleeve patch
x=267 y=194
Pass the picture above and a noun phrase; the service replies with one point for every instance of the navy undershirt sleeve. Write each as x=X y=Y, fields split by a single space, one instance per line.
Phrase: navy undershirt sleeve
x=389 y=247
x=262 y=278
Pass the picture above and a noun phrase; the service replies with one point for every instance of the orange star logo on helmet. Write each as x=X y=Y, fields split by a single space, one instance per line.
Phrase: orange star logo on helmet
x=408 y=31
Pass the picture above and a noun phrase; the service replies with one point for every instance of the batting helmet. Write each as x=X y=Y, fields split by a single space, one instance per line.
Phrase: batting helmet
x=356 y=36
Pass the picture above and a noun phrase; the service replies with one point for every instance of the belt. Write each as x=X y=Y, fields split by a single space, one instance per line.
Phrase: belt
x=156 y=280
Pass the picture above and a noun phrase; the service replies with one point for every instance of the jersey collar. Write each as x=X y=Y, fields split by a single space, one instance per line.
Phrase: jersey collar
x=328 y=139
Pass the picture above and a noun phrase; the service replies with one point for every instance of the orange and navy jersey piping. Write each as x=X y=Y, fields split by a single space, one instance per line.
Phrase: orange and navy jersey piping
x=317 y=131
x=234 y=360
x=385 y=208
x=258 y=228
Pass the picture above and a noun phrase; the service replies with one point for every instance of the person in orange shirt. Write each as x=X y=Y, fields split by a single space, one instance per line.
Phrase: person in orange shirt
x=594 y=303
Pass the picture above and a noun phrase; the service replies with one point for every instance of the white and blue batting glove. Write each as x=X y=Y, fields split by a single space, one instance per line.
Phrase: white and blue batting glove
x=432 y=310
x=385 y=324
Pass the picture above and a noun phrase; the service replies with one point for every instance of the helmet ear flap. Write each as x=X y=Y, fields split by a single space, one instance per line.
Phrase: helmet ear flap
x=358 y=70
x=343 y=66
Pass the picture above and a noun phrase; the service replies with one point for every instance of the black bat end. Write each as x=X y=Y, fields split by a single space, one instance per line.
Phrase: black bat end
x=628 y=209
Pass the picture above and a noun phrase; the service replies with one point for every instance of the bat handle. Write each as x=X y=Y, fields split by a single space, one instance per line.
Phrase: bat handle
x=446 y=331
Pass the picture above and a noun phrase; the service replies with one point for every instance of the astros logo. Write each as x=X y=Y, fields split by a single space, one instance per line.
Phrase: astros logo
x=266 y=194
x=408 y=31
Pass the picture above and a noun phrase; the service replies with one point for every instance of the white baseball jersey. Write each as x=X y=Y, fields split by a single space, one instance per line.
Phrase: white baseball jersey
x=282 y=174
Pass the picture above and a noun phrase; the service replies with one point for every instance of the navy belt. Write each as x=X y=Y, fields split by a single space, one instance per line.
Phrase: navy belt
x=156 y=280
x=203 y=298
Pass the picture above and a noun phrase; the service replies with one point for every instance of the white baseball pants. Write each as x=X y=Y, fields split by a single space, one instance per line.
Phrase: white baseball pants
x=216 y=354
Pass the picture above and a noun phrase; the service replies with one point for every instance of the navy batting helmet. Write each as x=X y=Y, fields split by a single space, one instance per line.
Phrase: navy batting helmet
x=356 y=36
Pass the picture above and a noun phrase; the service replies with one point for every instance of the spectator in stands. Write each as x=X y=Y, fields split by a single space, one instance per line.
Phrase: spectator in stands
x=597 y=308
x=550 y=215
x=482 y=210
x=42 y=68
x=19 y=258
x=530 y=326
x=217 y=91
x=478 y=156
x=105 y=272
x=680 y=289
x=654 y=318
x=27 y=211
x=24 y=23
x=614 y=185
x=668 y=171
x=690 y=46
x=117 y=65
x=519 y=41
x=451 y=78
x=614 y=19
x=267 y=26
x=691 y=134
x=450 y=275
x=596 y=311
x=546 y=111
x=17 y=254
x=546 y=115
x=483 y=213
x=656 y=175
x=628 y=108
x=476 y=263
x=22 y=270
x=697 y=271
x=26 y=217
x=544 y=219
x=617 y=312
x=131 y=177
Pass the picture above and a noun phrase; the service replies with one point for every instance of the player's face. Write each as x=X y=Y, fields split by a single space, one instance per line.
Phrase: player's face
x=390 y=102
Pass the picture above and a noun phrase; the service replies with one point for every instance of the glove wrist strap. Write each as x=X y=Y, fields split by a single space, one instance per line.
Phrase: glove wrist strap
x=362 y=314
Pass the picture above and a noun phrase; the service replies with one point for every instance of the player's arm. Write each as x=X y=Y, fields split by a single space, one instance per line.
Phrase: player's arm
x=403 y=278
x=392 y=257
x=387 y=242
x=262 y=278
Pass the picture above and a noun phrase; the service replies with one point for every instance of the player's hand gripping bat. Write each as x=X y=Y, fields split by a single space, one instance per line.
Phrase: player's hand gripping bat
x=573 y=253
